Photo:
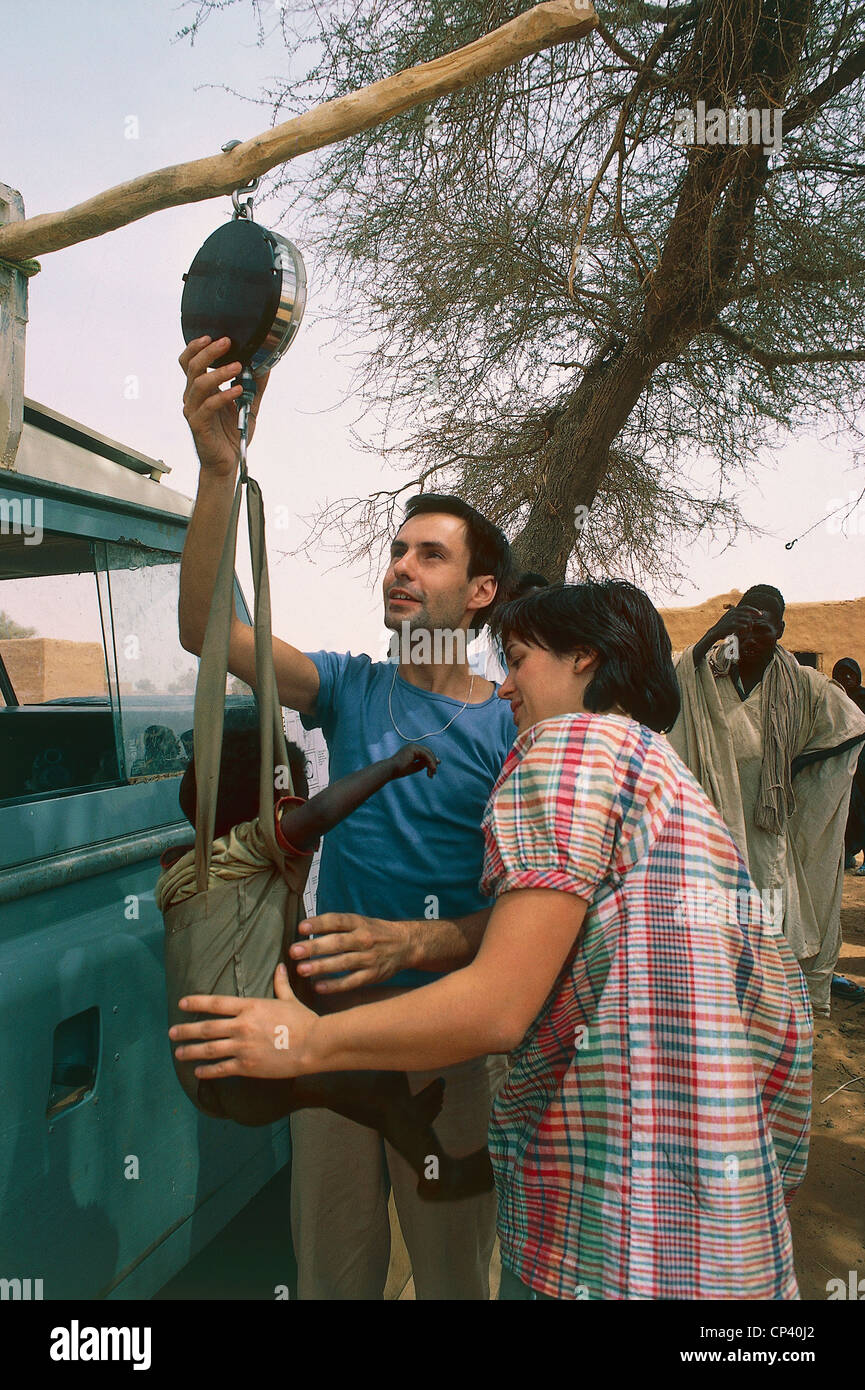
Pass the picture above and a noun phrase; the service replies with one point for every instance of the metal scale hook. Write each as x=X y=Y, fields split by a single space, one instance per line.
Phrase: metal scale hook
x=241 y=209
x=246 y=378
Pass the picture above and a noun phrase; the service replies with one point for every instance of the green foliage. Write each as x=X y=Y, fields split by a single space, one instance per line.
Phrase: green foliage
x=9 y=628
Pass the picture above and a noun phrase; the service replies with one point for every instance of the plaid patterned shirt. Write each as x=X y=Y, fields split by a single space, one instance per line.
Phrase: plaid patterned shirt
x=658 y=1108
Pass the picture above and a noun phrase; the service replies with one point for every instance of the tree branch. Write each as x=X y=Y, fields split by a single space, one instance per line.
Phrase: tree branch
x=852 y=68
x=661 y=14
x=785 y=359
x=544 y=26
x=629 y=59
x=794 y=276
x=659 y=47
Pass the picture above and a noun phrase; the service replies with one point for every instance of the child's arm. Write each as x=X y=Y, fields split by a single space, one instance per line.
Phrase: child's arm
x=301 y=826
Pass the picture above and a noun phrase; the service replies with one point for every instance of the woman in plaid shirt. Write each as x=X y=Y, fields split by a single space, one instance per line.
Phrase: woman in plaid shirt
x=657 y=1110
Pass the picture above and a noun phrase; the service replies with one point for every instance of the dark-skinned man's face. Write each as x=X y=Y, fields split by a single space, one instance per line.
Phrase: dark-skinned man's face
x=760 y=639
x=847 y=678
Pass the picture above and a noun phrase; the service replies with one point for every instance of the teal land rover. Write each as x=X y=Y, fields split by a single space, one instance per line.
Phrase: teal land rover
x=111 y=1182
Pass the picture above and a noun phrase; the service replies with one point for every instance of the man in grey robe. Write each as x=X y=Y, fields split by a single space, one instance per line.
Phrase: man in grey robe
x=774 y=745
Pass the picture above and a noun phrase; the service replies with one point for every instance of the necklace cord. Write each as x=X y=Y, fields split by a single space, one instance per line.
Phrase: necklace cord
x=433 y=732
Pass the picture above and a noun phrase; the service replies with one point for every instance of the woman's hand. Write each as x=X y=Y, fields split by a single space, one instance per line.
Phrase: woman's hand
x=248 y=1037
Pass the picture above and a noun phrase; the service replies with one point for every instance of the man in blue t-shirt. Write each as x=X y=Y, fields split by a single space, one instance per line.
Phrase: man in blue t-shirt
x=398 y=898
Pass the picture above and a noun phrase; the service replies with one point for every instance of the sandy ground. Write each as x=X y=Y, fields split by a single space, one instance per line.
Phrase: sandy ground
x=828 y=1211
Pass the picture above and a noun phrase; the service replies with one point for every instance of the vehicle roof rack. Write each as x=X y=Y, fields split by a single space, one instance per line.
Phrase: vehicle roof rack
x=60 y=425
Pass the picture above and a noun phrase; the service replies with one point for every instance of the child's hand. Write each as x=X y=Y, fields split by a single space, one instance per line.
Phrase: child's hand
x=413 y=758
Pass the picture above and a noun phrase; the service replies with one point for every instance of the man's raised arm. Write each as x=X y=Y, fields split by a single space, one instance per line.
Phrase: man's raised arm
x=212 y=417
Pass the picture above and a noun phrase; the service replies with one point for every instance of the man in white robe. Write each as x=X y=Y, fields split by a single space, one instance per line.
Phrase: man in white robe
x=774 y=745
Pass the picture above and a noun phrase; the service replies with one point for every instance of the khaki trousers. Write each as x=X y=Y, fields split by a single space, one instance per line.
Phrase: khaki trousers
x=342 y=1176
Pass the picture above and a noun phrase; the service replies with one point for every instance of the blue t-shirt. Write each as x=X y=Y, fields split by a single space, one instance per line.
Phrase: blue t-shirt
x=415 y=848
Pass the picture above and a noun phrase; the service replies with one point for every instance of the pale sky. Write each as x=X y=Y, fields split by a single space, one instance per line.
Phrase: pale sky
x=108 y=310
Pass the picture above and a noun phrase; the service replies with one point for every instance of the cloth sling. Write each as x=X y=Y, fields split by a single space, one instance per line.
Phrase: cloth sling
x=229 y=936
x=781 y=715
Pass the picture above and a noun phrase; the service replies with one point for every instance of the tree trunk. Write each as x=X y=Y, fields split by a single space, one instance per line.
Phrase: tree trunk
x=684 y=294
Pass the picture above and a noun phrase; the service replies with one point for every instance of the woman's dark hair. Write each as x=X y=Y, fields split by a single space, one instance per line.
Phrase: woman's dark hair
x=625 y=629
x=489 y=548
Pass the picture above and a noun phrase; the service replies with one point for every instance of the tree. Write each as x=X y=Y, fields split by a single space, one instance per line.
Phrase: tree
x=581 y=273
x=184 y=684
x=9 y=628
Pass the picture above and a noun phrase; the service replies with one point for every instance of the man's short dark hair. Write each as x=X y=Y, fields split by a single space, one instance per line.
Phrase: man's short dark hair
x=489 y=548
x=765 y=597
x=531 y=579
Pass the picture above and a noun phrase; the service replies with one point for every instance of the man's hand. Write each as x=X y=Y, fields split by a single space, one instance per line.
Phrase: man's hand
x=369 y=948
x=246 y=1037
x=413 y=758
x=735 y=622
x=210 y=412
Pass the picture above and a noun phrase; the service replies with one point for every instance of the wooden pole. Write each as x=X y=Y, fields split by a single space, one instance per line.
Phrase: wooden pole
x=13 y=328
x=544 y=26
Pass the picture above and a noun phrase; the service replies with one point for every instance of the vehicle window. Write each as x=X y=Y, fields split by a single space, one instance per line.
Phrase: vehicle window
x=57 y=731
x=95 y=688
x=155 y=676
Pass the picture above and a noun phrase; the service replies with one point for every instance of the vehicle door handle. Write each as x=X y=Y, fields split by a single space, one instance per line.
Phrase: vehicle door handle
x=74 y=1061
